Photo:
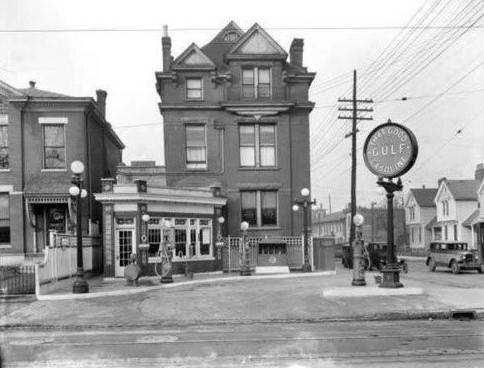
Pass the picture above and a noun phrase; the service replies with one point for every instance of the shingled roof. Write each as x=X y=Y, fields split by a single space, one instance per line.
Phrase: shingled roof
x=424 y=196
x=40 y=93
x=463 y=190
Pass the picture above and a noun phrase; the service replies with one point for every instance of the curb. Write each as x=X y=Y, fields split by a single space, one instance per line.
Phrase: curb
x=47 y=297
x=388 y=316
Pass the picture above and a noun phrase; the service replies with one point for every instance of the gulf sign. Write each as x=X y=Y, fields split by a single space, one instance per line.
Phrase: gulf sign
x=390 y=150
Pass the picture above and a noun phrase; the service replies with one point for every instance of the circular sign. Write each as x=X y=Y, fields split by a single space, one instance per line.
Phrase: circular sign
x=390 y=150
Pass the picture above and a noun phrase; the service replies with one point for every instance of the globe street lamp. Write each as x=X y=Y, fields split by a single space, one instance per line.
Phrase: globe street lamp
x=245 y=266
x=77 y=167
x=306 y=204
x=358 y=261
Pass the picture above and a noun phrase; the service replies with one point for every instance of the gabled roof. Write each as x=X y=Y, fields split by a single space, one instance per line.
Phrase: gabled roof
x=219 y=45
x=193 y=58
x=6 y=90
x=424 y=197
x=256 y=41
x=463 y=190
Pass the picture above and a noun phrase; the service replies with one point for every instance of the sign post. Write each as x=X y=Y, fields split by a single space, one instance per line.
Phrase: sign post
x=390 y=151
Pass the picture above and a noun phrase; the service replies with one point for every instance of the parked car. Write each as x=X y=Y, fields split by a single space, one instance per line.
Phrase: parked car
x=453 y=255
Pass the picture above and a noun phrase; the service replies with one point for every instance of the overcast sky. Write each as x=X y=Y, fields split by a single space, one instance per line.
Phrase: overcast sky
x=448 y=91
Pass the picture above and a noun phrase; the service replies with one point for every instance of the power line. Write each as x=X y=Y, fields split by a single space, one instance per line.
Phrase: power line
x=201 y=29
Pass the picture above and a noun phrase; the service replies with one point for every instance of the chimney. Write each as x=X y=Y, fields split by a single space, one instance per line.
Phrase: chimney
x=166 y=47
x=296 y=52
x=101 y=101
x=423 y=186
x=32 y=84
x=479 y=174
x=440 y=180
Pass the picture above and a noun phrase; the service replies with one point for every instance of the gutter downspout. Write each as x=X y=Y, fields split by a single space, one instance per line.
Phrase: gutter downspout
x=22 y=171
x=291 y=173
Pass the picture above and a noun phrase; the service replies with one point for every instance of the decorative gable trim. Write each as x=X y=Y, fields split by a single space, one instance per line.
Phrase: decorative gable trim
x=256 y=41
x=193 y=58
x=443 y=189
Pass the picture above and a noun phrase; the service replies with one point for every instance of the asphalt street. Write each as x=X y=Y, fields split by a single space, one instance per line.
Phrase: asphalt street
x=330 y=344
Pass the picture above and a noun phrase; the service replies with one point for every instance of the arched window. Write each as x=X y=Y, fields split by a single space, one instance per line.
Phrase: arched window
x=231 y=36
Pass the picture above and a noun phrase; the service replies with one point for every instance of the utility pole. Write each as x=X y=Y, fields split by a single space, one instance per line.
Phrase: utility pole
x=354 y=118
x=373 y=222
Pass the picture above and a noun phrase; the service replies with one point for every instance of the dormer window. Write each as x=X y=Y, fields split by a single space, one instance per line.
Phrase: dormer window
x=256 y=82
x=194 y=89
x=231 y=36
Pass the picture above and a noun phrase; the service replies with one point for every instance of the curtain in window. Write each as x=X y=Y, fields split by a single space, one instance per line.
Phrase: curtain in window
x=194 y=88
x=249 y=207
x=269 y=208
x=248 y=82
x=196 y=149
x=264 y=83
x=247 y=145
x=205 y=241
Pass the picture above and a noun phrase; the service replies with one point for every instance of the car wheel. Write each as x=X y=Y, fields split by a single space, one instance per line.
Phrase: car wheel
x=432 y=265
x=455 y=268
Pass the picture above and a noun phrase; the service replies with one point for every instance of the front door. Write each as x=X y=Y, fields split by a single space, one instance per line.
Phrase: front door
x=124 y=248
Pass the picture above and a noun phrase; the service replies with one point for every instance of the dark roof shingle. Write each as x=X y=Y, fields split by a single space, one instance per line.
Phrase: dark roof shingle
x=424 y=197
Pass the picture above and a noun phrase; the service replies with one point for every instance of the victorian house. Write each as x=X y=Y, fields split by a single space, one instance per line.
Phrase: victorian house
x=41 y=133
x=419 y=214
x=236 y=117
x=456 y=207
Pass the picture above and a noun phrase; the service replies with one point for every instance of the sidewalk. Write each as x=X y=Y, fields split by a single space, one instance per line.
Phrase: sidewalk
x=222 y=298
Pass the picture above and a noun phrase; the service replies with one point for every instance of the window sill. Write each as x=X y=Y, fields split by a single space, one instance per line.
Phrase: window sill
x=262 y=228
x=259 y=168
x=5 y=246
x=195 y=169
x=53 y=170
x=193 y=259
x=194 y=100
x=4 y=170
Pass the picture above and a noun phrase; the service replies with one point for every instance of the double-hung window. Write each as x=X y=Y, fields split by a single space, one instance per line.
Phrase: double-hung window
x=257 y=145
x=194 y=89
x=196 y=146
x=256 y=82
x=259 y=207
x=54 y=146
x=4 y=163
x=4 y=219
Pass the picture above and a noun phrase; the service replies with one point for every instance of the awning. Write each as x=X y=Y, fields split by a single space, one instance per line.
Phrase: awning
x=470 y=220
x=33 y=198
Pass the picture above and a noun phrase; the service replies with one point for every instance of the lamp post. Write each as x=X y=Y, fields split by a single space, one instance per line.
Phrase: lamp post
x=358 y=262
x=306 y=204
x=391 y=271
x=77 y=167
x=245 y=266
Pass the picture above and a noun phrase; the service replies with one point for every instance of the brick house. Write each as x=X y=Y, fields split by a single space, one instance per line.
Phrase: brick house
x=236 y=116
x=419 y=213
x=41 y=133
